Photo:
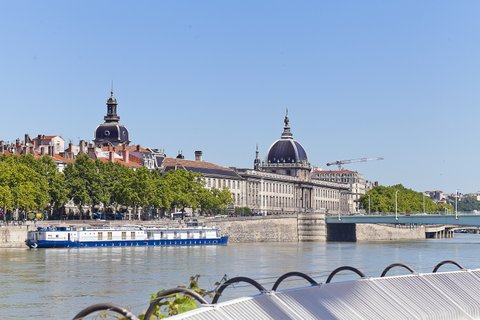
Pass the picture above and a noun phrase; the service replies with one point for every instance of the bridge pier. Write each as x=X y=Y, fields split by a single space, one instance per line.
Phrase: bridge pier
x=438 y=232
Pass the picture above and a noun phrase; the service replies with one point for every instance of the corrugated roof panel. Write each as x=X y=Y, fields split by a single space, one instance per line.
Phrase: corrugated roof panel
x=447 y=295
x=262 y=307
x=317 y=306
x=365 y=299
x=420 y=297
x=462 y=287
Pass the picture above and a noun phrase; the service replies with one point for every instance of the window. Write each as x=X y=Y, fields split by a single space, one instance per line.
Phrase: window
x=109 y=235
x=132 y=235
x=124 y=235
x=100 y=236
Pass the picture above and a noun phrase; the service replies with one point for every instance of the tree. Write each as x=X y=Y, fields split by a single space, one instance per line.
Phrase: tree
x=382 y=199
x=183 y=188
x=84 y=182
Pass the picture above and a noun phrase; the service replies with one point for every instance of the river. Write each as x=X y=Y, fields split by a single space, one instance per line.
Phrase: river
x=58 y=283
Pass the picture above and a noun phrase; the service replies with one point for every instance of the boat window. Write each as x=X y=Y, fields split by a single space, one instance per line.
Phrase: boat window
x=132 y=235
x=100 y=236
x=109 y=235
x=124 y=235
x=161 y=234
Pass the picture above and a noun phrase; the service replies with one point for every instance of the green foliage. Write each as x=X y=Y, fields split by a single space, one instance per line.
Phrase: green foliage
x=22 y=185
x=28 y=183
x=177 y=303
x=468 y=204
x=243 y=211
x=382 y=199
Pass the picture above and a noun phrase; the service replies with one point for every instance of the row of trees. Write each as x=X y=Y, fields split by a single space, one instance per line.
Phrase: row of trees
x=382 y=199
x=28 y=183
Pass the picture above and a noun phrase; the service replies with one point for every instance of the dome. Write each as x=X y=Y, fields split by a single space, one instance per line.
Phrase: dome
x=111 y=133
x=286 y=151
x=112 y=100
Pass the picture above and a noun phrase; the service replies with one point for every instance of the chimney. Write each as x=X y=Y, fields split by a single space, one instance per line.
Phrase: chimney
x=126 y=156
x=70 y=147
x=17 y=144
x=198 y=155
x=82 y=146
x=111 y=156
x=138 y=147
x=27 y=138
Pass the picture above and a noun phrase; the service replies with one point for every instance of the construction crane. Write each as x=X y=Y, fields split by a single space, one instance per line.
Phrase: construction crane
x=339 y=163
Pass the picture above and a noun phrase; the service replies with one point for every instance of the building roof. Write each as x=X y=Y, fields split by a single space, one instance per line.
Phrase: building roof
x=332 y=171
x=45 y=137
x=203 y=167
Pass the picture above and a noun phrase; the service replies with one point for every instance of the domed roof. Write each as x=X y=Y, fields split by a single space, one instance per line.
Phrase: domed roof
x=286 y=149
x=111 y=133
x=112 y=99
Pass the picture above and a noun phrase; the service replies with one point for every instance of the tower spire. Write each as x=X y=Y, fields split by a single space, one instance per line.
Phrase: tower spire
x=256 y=162
x=112 y=108
x=286 y=129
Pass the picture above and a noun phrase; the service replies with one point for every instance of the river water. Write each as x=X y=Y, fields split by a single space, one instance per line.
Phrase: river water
x=58 y=283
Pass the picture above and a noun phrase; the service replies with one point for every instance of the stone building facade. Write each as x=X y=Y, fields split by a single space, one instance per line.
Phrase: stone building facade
x=356 y=182
x=281 y=184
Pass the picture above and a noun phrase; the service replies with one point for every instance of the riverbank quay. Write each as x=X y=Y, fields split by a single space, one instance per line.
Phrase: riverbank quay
x=286 y=228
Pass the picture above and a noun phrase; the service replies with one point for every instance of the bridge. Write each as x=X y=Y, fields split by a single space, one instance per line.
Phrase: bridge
x=472 y=220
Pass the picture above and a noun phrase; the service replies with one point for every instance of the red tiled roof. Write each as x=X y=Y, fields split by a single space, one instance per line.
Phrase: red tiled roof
x=131 y=164
x=62 y=159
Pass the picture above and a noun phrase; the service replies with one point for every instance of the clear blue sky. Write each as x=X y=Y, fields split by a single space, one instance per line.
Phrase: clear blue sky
x=360 y=79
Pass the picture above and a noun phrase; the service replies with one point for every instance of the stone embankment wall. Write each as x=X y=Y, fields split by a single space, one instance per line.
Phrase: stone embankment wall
x=304 y=227
x=372 y=232
x=258 y=229
x=13 y=236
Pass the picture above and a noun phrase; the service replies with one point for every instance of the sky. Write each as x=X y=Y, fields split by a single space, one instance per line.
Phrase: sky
x=391 y=79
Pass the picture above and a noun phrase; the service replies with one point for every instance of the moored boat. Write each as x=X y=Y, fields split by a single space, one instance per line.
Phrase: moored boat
x=123 y=236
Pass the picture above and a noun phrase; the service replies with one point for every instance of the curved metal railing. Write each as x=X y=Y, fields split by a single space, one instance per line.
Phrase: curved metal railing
x=447 y=262
x=334 y=272
x=393 y=265
x=236 y=280
x=105 y=307
x=293 y=274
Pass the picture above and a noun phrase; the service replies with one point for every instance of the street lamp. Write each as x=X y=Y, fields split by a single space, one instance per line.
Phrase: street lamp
x=456 y=204
x=396 y=204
